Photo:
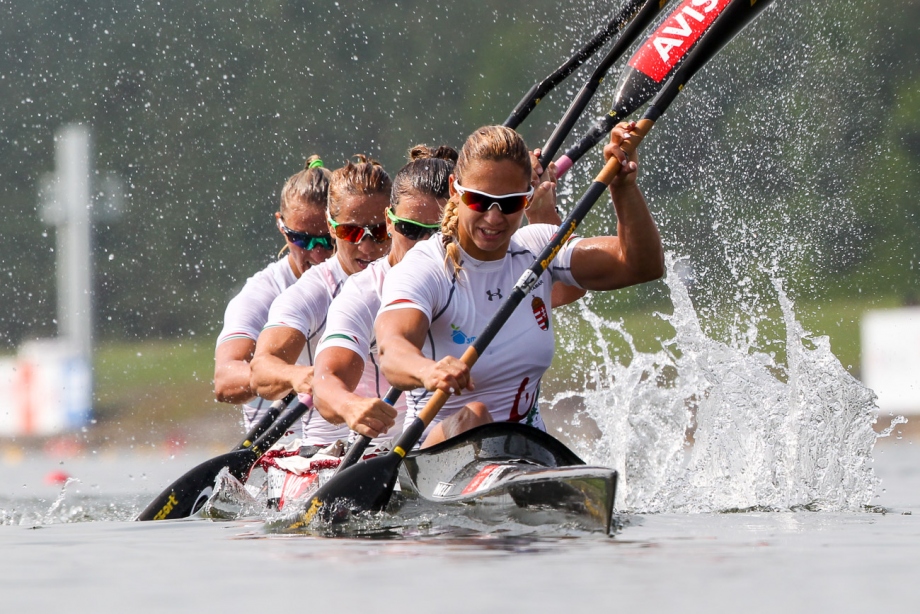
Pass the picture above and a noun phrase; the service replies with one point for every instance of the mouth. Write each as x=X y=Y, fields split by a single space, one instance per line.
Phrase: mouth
x=362 y=264
x=490 y=234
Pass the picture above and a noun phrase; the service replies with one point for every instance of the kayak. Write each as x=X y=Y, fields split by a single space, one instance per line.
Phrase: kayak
x=510 y=468
x=497 y=471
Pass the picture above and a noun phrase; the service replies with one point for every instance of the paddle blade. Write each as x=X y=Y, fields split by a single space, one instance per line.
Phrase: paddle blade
x=186 y=495
x=646 y=72
x=363 y=487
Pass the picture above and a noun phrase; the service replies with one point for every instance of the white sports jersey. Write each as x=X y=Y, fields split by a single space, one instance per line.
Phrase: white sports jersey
x=303 y=307
x=507 y=375
x=350 y=325
x=247 y=313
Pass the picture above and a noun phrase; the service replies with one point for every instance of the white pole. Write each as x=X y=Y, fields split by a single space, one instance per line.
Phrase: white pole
x=74 y=262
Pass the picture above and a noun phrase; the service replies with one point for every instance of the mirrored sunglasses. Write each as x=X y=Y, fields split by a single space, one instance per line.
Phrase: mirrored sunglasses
x=355 y=234
x=412 y=230
x=305 y=240
x=480 y=202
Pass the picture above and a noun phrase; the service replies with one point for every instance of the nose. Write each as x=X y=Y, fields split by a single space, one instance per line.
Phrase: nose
x=494 y=215
x=318 y=255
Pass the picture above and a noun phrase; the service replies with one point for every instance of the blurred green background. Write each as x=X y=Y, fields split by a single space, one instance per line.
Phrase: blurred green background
x=793 y=156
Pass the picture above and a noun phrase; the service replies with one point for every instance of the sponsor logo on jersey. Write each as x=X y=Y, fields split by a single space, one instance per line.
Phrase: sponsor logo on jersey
x=492 y=295
x=674 y=37
x=540 y=313
x=459 y=337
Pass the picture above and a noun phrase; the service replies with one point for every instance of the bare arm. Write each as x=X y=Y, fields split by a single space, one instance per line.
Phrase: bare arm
x=400 y=335
x=232 y=372
x=635 y=255
x=274 y=372
x=337 y=372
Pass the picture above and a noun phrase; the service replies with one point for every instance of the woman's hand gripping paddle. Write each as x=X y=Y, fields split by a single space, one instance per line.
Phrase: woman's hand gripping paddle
x=356 y=451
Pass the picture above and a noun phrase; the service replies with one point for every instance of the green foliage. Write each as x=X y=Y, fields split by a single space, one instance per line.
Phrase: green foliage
x=795 y=153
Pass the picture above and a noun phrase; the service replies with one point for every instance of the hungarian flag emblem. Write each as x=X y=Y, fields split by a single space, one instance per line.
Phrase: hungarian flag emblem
x=539 y=312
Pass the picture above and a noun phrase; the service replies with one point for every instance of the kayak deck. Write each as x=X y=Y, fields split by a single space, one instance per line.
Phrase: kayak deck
x=506 y=465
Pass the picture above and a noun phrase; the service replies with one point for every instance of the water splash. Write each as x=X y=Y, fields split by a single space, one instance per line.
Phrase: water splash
x=67 y=507
x=702 y=425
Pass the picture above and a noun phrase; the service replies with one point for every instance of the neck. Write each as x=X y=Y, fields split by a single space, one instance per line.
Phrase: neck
x=294 y=268
x=345 y=265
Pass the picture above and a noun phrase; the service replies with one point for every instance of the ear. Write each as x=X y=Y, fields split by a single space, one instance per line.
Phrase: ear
x=450 y=185
x=278 y=224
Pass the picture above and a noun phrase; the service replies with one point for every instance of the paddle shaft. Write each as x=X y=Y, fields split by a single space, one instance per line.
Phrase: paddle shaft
x=281 y=426
x=643 y=17
x=261 y=425
x=732 y=19
x=536 y=93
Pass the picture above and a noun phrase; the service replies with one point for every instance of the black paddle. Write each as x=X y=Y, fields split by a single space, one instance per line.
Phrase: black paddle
x=539 y=90
x=186 y=495
x=367 y=486
x=643 y=17
x=647 y=70
x=261 y=425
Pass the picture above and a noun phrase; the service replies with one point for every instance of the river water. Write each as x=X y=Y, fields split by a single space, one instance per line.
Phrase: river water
x=748 y=480
x=84 y=553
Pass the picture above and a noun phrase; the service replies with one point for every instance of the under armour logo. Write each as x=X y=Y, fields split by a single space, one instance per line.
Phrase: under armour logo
x=497 y=293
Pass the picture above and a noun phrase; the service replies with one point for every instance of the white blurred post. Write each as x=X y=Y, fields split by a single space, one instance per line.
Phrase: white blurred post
x=73 y=151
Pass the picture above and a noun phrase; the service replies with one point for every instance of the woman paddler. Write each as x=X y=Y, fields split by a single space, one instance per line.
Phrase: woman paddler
x=301 y=220
x=348 y=385
x=447 y=289
x=356 y=216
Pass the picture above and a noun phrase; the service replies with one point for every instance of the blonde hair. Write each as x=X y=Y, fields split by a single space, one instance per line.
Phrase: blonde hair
x=489 y=143
x=366 y=178
x=310 y=186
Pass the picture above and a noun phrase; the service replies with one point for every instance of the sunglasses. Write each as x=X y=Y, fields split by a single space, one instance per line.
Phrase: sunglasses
x=355 y=234
x=304 y=240
x=412 y=230
x=480 y=202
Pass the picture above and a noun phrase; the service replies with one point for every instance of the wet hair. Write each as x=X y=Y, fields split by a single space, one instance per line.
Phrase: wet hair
x=491 y=144
x=310 y=186
x=427 y=173
x=364 y=178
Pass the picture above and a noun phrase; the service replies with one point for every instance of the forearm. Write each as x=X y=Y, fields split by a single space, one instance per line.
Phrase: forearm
x=232 y=382
x=272 y=377
x=403 y=365
x=330 y=395
x=639 y=239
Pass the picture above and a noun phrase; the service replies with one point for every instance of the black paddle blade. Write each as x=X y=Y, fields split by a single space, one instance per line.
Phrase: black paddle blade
x=363 y=487
x=186 y=495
